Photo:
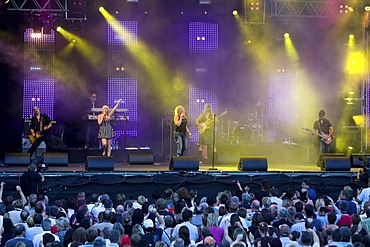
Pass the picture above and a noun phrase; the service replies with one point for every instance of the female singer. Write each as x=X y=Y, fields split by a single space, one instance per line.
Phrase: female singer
x=181 y=130
x=106 y=131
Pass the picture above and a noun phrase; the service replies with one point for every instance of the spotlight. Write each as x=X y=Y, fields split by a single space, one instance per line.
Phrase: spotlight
x=101 y=9
x=351 y=36
x=367 y=8
x=344 y=9
x=286 y=35
x=235 y=12
x=59 y=29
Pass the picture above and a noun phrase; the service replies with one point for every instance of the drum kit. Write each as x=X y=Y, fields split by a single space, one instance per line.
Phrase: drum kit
x=250 y=130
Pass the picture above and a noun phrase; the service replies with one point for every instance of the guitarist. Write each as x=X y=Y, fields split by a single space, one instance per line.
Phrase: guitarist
x=325 y=128
x=205 y=127
x=40 y=126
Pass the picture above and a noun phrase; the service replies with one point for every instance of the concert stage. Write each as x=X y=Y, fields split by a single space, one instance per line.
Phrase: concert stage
x=63 y=181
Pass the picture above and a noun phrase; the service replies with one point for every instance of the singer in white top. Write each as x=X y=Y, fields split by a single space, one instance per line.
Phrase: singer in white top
x=106 y=131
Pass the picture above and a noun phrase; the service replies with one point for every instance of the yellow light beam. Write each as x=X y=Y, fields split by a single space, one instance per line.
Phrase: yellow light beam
x=90 y=52
x=151 y=61
x=290 y=49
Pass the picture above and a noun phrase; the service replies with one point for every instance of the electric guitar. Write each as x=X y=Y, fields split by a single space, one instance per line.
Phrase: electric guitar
x=202 y=127
x=324 y=137
x=38 y=134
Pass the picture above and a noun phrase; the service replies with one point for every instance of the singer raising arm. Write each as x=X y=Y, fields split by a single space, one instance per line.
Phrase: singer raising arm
x=106 y=131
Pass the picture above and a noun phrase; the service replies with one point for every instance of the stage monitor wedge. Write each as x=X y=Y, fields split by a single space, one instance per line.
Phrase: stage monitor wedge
x=140 y=158
x=184 y=163
x=339 y=163
x=59 y=159
x=18 y=159
x=252 y=163
x=99 y=163
x=359 y=160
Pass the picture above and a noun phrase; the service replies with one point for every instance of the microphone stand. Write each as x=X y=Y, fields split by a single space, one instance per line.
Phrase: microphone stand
x=213 y=144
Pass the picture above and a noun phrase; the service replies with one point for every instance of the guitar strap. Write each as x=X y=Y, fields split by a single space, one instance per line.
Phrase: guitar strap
x=320 y=126
x=40 y=123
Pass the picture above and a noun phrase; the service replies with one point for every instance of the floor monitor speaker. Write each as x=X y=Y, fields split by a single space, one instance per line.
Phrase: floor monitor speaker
x=140 y=158
x=336 y=164
x=252 y=163
x=99 y=163
x=60 y=159
x=184 y=163
x=22 y=159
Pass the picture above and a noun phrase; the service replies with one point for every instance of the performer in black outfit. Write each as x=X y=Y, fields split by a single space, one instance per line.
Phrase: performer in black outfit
x=91 y=141
x=40 y=131
x=30 y=180
x=324 y=129
x=181 y=130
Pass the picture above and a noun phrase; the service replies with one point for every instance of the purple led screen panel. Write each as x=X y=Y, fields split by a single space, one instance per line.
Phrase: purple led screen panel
x=283 y=99
x=39 y=41
x=127 y=34
x=203 y=36
x=38 y=84
x=203 y=70
x=125 y=89
x=38 y=93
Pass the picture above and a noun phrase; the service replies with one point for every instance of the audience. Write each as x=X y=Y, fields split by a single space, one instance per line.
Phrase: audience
x=185 y=218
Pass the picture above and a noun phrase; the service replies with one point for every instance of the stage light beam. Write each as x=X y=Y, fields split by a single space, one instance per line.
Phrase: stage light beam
x=290 y=49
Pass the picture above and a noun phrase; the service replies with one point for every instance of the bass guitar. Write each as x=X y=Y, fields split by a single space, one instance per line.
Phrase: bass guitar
x=38 y=134
x=324 y=137
x=202 y=127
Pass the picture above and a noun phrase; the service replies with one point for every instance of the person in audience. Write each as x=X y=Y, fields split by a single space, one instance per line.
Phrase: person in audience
x=62 y=225
x=306 y=185
x=346 y=195
x=284 y=231
x=282 y=218
x=264 y=190
x=31 y=232
x=19 y=233
x=46 y=228
x=99 y=242
x=193 y=230
x=107 y=217
x=363 y=195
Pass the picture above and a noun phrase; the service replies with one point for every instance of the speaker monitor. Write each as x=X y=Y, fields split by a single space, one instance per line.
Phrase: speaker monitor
x=359 y=160
x=140 y=158
x=17 y=159
x=56 y=159
x=184 y=163
x=99 y=163
x=252 y=163
x=336 y=164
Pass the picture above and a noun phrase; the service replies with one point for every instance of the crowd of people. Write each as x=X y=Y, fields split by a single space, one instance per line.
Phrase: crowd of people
x=182 y=218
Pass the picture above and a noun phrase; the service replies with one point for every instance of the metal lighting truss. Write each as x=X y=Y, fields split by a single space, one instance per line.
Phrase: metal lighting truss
x=38 y=5
x=299 y=8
